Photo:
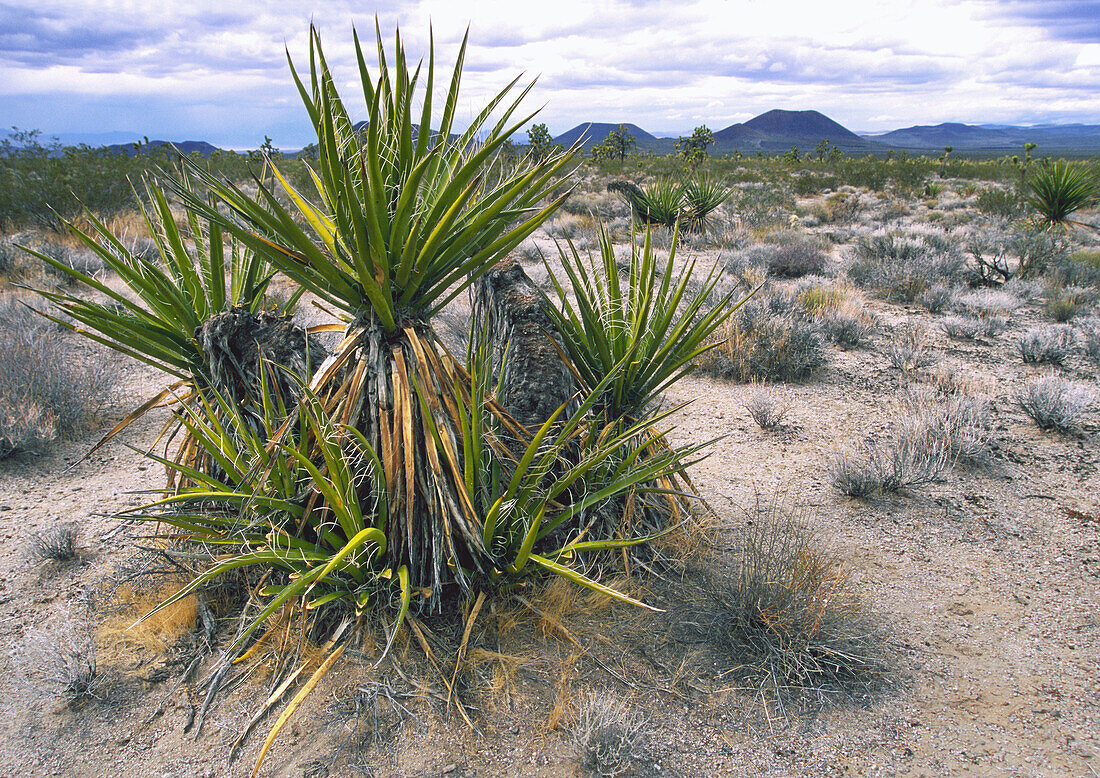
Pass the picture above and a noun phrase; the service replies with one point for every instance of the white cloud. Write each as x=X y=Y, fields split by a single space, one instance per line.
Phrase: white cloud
x=875 y=64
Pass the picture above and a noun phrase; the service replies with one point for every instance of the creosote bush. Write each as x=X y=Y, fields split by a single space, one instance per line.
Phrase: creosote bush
x=1056 y=404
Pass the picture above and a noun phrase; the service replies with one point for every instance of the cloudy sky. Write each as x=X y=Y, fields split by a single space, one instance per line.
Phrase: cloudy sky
x=217 y=71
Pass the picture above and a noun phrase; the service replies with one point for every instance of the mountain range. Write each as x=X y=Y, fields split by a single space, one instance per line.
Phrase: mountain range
x=777 y=131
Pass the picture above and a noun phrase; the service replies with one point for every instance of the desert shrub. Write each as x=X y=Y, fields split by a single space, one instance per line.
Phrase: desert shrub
x=1090 y=337
x=1046 y=345
x=748 y=266
x=908 y=460
x=1056 y=404
x=964 y=424
x=837 y=207
x=766 y=409
x=1038 y=251
x=48 y=388
x=57 y=543
x=610 y=735
x=1090 y=257
x=796 y=259
x=908 y=349
x=1005 y=203
x=987 y=303
x=837 y=308
x=847 y=326
x=763 y=205
x=769 y=338
x=1067 y=302
x=61 y=659
x=9 y=257
x=1025 y=289
x=902 y=267
x=932 y=433
x=788 y=615
x=936 y=297
x=962 y=327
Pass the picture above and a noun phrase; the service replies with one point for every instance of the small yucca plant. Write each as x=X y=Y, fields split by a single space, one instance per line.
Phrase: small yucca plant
x=666 y=202
x=192 y=279
x=702 y=196
x=1059 y=189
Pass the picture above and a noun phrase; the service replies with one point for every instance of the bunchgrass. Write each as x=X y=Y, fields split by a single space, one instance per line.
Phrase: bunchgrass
x=787 y=615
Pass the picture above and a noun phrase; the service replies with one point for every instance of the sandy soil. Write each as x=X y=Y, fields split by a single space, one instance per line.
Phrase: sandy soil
x=985 y=587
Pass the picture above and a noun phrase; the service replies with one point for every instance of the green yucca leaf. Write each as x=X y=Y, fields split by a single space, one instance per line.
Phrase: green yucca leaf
x=397 y=227
x=157 y=324
x=658 y=321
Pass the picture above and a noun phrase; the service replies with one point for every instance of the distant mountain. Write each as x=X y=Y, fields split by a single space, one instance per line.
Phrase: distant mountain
x=778 y=130
x=595 y=132
x=994 y=137
x=186 y=147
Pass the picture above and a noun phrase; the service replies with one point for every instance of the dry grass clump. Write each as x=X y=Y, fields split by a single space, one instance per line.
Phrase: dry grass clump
x=934 y=432
x=1046 y=345
x=611 y=736
x=769 y=338
x=57 y=543
x=1056 y=404
x=838 y=309
x=766 y=408
x=902 y=267
x=48 y=389
x=908 y=350
x=788 y=615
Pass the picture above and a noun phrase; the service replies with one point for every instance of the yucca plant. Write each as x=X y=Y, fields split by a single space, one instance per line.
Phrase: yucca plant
x=656 y=203
x=1059 y=189
x=658 y=318
x=193 y=279
x=627 y=343
x=702 y=196
x=402 y=221
x=666 y=202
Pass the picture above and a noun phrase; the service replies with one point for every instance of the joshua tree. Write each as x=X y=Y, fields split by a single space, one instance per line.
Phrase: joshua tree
x=694 y=149
x=618 y=143
x=540 y=144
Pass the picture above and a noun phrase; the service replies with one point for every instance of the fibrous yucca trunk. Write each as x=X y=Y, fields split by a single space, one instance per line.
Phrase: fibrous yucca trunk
x=407 y=396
